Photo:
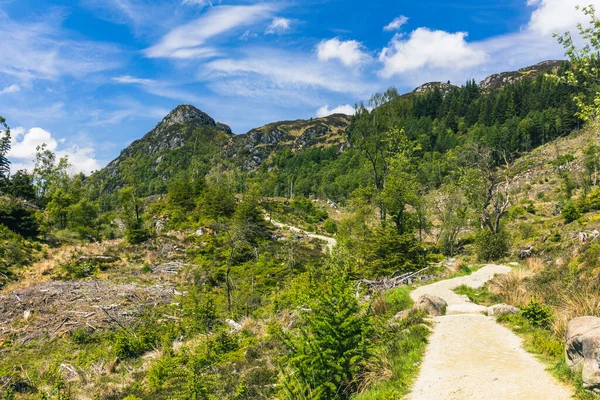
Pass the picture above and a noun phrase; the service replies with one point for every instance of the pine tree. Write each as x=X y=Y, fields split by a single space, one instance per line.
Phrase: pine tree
x=4 y=149
x=325 y=359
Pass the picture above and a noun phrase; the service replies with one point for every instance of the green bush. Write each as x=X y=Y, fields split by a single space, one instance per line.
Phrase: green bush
x=137 y=234
x=570 y=212
x=537 y=313
x=491 y=246
x=330 y=226
x=398 y=299
x=555 y=237
x=130 y=345
x=19 y=217
x=76 y=269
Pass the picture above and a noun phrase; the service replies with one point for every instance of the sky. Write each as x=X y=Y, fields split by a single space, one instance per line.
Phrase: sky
x=87 y=77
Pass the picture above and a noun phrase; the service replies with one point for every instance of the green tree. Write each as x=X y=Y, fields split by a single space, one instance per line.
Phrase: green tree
x=450 y=208
x=486 y=187
x=57 y=208
x=326 y=357
x=83 y=218
x=370 y=132
x=4 y=149
x=217 y=202
x=182 y=192
x=570 y=212
x=135 y=232
x=21 y=185
x=584 y=72
x=48 y=174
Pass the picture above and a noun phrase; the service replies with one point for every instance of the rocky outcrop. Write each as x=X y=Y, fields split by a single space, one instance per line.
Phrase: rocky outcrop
x=429 y=86
x=501 y=309
x=497 y=81
x=582 y=350
x=251 y=149
x=432 y=305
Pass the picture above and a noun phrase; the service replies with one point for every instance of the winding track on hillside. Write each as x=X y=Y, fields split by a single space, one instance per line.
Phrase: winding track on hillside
x=331 y=242
x=471 y=357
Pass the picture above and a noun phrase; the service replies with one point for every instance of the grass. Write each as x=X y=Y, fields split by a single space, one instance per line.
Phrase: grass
x=549 y=349
x=477 y=295
x=397 y=361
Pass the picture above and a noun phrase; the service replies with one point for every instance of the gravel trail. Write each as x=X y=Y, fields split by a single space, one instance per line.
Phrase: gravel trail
x=470 y=356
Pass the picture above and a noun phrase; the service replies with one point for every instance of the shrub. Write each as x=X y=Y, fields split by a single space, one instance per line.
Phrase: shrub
x=76 y=269
x=491 y=246
x=555 y=237
x=570 y=212
x=128 y=345
x=537 y=313
x=530 y=208
x=19 y=217
x=137 y=234
x=330 y=226
x=81 y=336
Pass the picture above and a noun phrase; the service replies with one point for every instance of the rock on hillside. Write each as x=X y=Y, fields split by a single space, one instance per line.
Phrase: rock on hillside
x=497 y=81
x=253 y=148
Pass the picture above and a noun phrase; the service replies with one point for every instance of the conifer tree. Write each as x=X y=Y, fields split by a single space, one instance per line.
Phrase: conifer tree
x=330 y=352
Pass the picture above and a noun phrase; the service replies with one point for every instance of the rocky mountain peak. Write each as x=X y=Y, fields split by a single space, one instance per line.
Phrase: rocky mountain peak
x=426 y=87
x=186 y=114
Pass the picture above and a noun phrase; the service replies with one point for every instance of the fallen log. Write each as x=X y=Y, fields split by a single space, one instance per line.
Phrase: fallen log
x=381 y=285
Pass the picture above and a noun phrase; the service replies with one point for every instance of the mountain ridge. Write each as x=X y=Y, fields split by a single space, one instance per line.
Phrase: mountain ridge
x=249 y=150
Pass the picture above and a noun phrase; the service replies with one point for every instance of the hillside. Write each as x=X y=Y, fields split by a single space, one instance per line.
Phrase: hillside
x=205 y=264
x=187 y=135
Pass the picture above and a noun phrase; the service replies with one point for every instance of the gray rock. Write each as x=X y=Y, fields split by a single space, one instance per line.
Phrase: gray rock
x=502 y=309
x=402 y=314
x=432 y=305
x=582 y=350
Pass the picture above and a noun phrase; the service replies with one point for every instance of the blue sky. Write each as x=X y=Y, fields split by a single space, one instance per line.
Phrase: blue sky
x=87 y=77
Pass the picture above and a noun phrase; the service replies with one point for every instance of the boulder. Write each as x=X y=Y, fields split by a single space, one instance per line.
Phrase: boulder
x=501 y=309
x=582 y=350
x=402 y=314
x=432 y=305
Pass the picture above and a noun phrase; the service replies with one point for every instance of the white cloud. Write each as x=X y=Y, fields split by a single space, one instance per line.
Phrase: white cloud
x=200 y=3
x=396 y=23
x=133 y=80
x=343 y=109
x=10 y=89
x=189 y=40
x=42 y=50
x=558 y=16
x=348 y=52
x=429 y=49
x=248 y=35
x=284 y=70
x=279 y=25
x=24 y=144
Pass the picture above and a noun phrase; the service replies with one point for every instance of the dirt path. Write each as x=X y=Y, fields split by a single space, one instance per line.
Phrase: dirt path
x=470 y=356
x=331 y=242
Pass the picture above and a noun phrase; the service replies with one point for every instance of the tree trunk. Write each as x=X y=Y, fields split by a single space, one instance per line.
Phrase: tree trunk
x=227 y=281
